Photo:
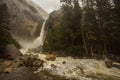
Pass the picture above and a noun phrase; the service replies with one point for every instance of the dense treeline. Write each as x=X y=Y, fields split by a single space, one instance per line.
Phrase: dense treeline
x=5 y=36
x=91 y=29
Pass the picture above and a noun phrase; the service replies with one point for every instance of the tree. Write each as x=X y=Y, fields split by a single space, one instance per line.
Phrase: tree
x=103 y=8
x=114 y=29
x=67 y=33
x=89 y=24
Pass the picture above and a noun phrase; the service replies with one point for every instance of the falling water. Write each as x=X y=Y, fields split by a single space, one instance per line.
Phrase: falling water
x=40 y=40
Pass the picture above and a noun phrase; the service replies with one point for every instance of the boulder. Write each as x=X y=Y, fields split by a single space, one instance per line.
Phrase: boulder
x=32 y=61
x=12 y=52
x=19 y=62
x=8 y=70
x=38 y=63
x=117 y=65
x=28 y=61
x=5 y=66
x=50 y=57
x=53 y=66
x=109 y=63
x=64 y=62
x=34 y=57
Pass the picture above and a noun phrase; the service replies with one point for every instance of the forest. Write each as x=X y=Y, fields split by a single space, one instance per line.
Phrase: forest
x=86 y=28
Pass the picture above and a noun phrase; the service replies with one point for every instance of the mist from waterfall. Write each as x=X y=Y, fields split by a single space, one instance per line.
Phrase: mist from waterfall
x=39 y=41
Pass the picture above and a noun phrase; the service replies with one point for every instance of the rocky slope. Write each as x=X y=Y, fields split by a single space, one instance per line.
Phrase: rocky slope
x=26 y=18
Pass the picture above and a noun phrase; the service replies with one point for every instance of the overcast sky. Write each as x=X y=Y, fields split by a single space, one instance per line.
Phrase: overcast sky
x=48 y=5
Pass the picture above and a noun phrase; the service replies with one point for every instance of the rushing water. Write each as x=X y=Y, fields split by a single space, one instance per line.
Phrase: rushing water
x=40 y=40
x=37 y=42
x=81 y=69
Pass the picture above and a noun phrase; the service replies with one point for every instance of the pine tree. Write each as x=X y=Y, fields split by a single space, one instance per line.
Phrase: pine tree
x=67 y=33
x=114 y=29
x=89 y=24
x=103 y=8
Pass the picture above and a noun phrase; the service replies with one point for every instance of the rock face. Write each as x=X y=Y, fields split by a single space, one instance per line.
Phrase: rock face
x=26 y=18
x=11 y=52
x=53 y=19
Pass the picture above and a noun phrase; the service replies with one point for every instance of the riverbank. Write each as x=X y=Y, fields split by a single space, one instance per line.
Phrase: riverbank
x=61 y=68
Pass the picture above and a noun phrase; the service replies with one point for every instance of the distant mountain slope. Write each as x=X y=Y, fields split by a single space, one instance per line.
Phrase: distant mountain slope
x=26 y=18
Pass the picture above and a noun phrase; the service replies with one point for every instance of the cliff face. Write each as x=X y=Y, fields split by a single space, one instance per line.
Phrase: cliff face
x=53 y=19
x=26 y=18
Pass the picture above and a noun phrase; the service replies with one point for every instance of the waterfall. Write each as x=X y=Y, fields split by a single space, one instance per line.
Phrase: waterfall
x=40 y=40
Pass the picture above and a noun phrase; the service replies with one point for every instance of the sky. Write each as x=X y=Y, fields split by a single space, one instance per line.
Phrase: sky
x=48 y=5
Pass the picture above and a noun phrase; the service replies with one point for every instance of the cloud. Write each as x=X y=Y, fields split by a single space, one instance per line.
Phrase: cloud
x=48 y=5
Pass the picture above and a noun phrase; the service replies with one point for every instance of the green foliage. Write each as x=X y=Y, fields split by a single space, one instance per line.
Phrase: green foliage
x=5 y=35
x=66 y=35
x=94 y=28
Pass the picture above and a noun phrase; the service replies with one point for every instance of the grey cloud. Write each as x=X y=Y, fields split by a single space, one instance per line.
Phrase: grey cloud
x=48 y=5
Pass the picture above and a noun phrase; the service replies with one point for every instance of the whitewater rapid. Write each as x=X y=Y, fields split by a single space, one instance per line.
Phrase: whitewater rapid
x=80 y=69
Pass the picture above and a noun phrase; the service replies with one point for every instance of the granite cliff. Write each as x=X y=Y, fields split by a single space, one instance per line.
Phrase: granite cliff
x=26 y=18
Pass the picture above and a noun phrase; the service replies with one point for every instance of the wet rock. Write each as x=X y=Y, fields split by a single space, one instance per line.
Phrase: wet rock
x=25 y=73
x=28 y=61
x=12 y=52
x=53 y=66
x=22 y=73
x=109 y=63
x=8 y=70
x=7 y=63
x=50 y=57
x=32 y=61
x=117 y=65
x=5 y=66
x=64 y=62
x=38 y=63
x=19 y=62
x=34 y=57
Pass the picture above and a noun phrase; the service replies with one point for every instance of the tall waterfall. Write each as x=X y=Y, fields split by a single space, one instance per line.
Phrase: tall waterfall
x=40 y=40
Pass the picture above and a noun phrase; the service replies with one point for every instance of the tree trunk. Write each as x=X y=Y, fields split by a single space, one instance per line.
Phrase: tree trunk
x=85 y=44
x=105 y=48
x=92 y=53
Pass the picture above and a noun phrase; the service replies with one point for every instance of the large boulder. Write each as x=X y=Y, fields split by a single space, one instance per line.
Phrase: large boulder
x=109 y=63
x=32 y=61
x=8 y=70
x=12 y=52
x=28 y=61
x=6 y=66
x=19 y=62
